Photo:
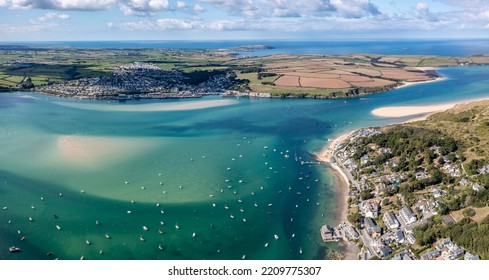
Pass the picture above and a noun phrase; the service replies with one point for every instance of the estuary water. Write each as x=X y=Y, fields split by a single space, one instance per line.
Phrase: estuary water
x=210 y=178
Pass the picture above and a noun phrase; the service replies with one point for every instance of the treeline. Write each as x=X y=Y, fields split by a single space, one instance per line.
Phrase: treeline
x=472 y=236
x=411 y=145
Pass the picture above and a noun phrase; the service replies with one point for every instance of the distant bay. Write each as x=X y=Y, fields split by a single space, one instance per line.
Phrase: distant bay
x=444 y=47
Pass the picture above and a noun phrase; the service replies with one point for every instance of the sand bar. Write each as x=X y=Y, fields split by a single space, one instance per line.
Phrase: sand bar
x=405 y=111
x=151 y=107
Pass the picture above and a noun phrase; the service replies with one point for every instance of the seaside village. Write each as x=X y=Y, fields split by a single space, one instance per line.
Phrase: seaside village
x=386 y=232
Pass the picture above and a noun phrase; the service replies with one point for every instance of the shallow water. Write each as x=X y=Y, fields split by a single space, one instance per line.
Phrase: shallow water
x=169 y=168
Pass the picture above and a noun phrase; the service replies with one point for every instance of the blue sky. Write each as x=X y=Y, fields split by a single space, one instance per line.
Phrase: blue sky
x=78 y=20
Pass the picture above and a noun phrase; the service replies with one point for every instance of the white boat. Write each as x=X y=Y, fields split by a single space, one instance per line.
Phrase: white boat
x=270 y=205
x=244 y=220
x=145 y=228
x=58 y=227
x=194 y=234
x=100 y=252
x=300 y=250
x=160 y=231
x=243 y=257
x=162 y=223
x=30 y=219
x=241 y=210
x=14 y=249
x=141 y=238
x=232 y=216
x=157 y=205
x=107 y=236
x=5 y=208
x=226 y=207
x=213 y=205
x=266 y=245
x=97 y=222
x=177 y=227
x=276 y=237
x=160 y=247
x=129 y=212
x=19 y=232
x=88 y=242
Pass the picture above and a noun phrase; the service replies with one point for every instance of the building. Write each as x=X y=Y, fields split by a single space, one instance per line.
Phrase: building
x=370 y=209
x=327 y=233
x=469 y=257
x=390 y=220
x=351 y=233
x=399 y=236
x=402 y=256
x=372 y=227
x=410 y=239
x=407 y=215
x=384 y=251
x=431 y=255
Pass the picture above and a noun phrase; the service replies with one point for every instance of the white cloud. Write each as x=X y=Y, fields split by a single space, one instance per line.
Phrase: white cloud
x=294 y=8
x=422 y=11
x=50 y=16
x=181 y=4
x=198 y=8
x=160 y=24
x=143 y=7
x=60 y=4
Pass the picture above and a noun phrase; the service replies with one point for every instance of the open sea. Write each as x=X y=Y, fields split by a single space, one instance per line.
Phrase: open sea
x=100 y=180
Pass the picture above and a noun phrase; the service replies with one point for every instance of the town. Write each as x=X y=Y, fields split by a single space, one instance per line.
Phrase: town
x=143 y=80
x=408 y=187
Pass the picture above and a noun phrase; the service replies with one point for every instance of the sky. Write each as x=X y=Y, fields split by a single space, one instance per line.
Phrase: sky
x=93 y=20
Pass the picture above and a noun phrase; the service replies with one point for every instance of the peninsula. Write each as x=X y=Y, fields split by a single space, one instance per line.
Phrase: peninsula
x=417 y=190
x=183 y=73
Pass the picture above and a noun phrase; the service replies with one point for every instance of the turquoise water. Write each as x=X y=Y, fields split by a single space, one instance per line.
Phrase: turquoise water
x=229 y=177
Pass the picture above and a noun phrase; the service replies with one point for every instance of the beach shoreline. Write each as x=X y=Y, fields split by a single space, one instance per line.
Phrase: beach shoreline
x=422 y=111
x=347 y=249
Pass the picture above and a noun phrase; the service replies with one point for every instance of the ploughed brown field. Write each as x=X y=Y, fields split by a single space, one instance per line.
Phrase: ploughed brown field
x=340 y=74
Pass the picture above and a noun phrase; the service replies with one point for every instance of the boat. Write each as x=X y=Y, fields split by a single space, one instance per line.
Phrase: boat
x=160 y=231
x=5 y=208
x=232 y=216
x=88 y=242
x=256 y=205
x=244 y=220
x=300 y=250
x=266 y=245
x=241 y=210
x=276 y=237
x=162 y=223
x=157 y=205
x=129 y=212
x=14 y=249
x=30 y=219
x=58 y=227
x=177 y=227
x=97 y=222
x=19 y=232
x=100 y=252
x=145 y=228
x=160 y=247
x=107 y=236
x=194 y=234
x=213 y=205
x=32 y=207
x=243 y=257
x=226 y=207
x=141 y=238
x=270 y=205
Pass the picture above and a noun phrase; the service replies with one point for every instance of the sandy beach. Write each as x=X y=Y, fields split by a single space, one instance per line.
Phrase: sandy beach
x=405 y=111
x=348 y=250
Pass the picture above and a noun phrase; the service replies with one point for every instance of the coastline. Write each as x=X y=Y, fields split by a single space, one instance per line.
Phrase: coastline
x=349 y=250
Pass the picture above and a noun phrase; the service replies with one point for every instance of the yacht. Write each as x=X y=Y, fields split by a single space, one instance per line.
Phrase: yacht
x=14 y=249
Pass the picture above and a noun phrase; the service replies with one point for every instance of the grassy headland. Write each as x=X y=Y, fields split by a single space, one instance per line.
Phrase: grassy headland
x=72 y=71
